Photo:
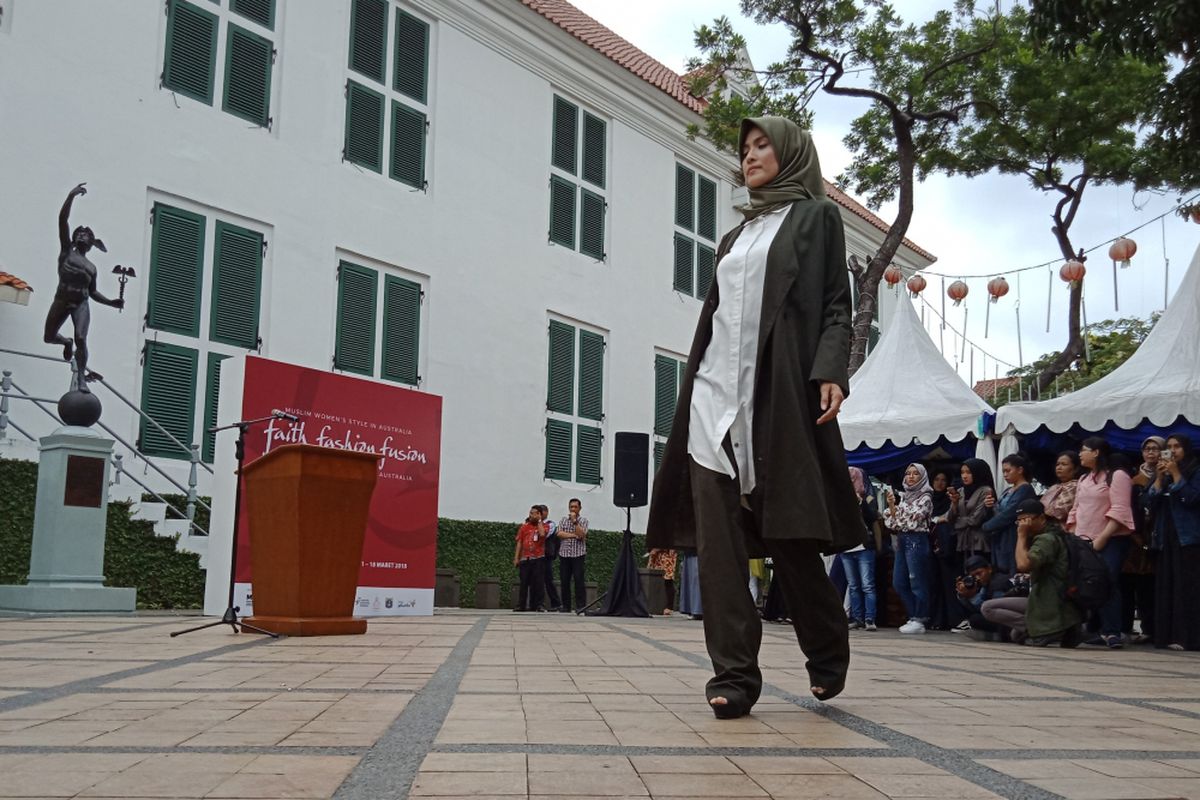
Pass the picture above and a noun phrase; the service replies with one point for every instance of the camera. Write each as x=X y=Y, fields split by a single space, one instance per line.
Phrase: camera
x=969 y=581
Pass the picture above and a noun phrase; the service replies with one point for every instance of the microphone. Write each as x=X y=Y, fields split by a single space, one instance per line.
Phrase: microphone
x=275 y=412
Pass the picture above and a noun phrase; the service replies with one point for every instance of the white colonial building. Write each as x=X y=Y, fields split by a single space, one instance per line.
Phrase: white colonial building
x=490 y=200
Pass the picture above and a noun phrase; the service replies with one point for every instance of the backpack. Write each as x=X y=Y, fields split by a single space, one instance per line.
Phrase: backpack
x=1088 y=582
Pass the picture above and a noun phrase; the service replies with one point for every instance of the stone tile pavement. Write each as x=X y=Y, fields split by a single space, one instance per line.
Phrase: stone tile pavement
x=467 y=704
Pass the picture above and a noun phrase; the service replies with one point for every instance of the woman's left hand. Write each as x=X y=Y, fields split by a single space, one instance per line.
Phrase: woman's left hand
x=831 y=401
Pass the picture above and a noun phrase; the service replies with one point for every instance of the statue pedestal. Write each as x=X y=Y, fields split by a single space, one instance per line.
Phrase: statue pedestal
x=66 y=564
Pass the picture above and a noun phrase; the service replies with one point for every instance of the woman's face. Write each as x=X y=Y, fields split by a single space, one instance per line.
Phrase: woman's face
x=1176 y=450
x=967 y=477
x=1087 y=457
x=939 y=482
x=1011 y=474
x=759 y=162
x=911 y=477
x=1150 y=453
x=1064 y=469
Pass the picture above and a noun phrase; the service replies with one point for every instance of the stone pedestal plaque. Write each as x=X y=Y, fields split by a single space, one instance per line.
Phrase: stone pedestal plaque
x=66 y=565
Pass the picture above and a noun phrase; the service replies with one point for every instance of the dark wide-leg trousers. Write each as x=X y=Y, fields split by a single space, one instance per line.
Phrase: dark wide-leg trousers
x=732 y=625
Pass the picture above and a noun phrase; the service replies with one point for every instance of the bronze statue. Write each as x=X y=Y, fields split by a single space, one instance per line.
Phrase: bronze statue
x=76 y=285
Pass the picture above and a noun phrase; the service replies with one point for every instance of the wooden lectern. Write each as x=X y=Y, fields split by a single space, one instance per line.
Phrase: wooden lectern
x=306 y=509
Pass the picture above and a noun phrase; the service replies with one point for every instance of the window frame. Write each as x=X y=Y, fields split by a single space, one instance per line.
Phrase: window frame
x=699 y=241
x=384 y=274
x=586 y=192
x=577 y=424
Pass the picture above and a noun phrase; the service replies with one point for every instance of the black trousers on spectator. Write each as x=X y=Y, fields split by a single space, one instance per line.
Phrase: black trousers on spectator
x=571 y=569
x=1137 y=594
x=529 y=593
x=732 y=625
x=669 y=588
x=548 y=581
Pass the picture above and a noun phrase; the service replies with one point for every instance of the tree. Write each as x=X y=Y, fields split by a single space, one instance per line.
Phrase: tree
x=1065 y=125
x=916 y=78
x=1161 y=32
x=1110 y=344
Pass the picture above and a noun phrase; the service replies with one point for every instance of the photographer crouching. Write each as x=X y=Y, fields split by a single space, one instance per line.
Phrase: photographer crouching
x=981 y=583
x=1045 y=617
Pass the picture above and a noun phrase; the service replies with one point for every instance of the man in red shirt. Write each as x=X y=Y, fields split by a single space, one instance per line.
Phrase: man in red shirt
x=527 y=558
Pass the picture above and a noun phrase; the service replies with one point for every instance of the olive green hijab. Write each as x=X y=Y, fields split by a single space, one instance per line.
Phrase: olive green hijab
x=799 y=175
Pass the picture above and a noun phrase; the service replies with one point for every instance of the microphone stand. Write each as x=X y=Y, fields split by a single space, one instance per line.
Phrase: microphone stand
x=230 y=617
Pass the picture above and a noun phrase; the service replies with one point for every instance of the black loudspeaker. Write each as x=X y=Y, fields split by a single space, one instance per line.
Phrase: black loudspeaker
x=631 y=470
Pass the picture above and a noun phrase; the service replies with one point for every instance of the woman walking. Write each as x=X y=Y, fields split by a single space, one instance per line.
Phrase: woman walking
x=909 y=519
x=755 y=423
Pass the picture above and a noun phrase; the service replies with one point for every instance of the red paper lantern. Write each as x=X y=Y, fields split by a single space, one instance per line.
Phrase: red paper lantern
x=893 y=275
x=1122 y=250
x=1072 y=272
x=916 y=285
x=997 y=288
x=957 y=291
x=1196 y=215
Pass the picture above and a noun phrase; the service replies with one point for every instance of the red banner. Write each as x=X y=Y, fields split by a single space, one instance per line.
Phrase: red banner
x=403 y=427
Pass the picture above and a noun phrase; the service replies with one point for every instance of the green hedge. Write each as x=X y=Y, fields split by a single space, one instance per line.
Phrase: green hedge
x=478 y=549
x=133 y=554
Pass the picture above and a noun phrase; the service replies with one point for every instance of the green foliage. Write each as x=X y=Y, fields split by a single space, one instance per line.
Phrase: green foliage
x=1164 y=33
x=478 y=549
x=133 y=554
x=1110 y=344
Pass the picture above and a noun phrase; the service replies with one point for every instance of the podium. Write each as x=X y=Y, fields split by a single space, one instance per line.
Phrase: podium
x=306 y=510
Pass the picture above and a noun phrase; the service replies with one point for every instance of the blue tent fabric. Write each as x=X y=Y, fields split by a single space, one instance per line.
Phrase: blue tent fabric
x=876 y=461
x=1120 y=439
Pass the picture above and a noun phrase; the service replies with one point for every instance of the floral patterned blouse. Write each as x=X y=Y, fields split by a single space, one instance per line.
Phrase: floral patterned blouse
x=664 y=560
x=912 y=514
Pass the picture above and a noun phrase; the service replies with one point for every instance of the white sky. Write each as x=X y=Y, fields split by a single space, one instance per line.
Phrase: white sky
x=981 y=225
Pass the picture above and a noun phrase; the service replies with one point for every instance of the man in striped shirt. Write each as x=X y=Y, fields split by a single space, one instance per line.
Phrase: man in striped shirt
x=572 y=547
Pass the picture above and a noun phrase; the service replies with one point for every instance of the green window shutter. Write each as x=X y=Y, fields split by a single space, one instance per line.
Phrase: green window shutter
x=212 y=393
x=591 y=225
x=685 y=197
x=368 y=38
x=558 y=450
x=560 y=392
x=261 y=11
x=191 y=51
x=706 y=264
x=590 y=450
x=659 y=447
x=594 y=151
x=176 y=271
x=666 y=390
x=401 y=330
x=408 y=145
x=412 y=56
x=364 y=127
x=591 y=375
x=357 y=293
x=248 y=61
x=683 y=264
x=169 y=398
x=566 y=131
x=236 y=286
x=562 y=212
x=706 y=222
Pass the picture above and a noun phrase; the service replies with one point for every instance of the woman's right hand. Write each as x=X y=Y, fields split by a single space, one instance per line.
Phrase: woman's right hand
x=990 y=500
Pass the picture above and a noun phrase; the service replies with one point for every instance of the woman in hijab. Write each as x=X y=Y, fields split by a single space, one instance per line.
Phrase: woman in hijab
x=1175 y=499
x=859 y=562
x=756 y=422
x=1137 y=573
x=945 y=564
x=909 y=519
x=970 y=509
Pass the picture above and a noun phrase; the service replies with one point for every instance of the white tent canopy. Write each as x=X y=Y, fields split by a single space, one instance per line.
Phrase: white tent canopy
x=906 y=391
x=1159 y=382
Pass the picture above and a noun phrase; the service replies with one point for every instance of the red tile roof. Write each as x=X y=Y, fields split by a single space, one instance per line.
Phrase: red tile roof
x=991 y=388
x=14 y=281
x=641 y=64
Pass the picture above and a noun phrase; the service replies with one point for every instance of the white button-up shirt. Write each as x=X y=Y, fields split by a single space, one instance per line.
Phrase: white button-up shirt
x=723 y=393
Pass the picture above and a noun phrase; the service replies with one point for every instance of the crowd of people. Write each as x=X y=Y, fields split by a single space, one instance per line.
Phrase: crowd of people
x=993 y=562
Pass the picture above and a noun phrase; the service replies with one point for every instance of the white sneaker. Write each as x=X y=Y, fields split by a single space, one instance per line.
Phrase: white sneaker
x=913 y=626
x=961 y=627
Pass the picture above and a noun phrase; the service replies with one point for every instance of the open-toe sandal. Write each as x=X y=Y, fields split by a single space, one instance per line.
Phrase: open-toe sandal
x=735 y=705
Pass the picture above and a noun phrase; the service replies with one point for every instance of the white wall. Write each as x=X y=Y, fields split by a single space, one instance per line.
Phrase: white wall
x=89 y=108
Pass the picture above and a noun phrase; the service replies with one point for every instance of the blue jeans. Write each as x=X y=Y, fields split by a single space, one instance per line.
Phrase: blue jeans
x=1114 y=556
x=860 y=576
x=910 y=575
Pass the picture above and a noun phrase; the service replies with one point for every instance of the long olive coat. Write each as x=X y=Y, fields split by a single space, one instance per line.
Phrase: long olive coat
x=802 y=486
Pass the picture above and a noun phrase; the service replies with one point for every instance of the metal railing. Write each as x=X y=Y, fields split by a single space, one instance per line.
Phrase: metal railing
x=11 y=390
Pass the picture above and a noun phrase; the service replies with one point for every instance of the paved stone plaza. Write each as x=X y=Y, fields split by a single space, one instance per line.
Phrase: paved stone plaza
x=470 y=704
